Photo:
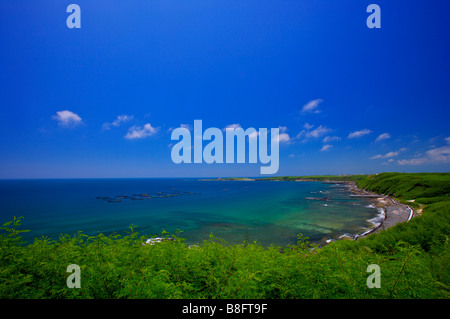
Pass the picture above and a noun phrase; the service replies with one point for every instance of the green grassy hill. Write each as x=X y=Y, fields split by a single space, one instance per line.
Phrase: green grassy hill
x=425 y=188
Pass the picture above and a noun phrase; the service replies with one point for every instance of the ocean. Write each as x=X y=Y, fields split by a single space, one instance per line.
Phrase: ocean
x=268 y=212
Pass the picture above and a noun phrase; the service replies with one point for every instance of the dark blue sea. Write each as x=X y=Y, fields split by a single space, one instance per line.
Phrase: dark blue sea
x=264 y=211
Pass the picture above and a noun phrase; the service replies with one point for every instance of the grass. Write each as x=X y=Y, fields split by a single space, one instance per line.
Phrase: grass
x=413 y=259
x=424 y=188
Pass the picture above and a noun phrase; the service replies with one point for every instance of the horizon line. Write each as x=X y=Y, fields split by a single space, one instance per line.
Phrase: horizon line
x=208 y=177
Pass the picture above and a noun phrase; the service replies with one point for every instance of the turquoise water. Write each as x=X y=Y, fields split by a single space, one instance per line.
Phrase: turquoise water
x=268 y=212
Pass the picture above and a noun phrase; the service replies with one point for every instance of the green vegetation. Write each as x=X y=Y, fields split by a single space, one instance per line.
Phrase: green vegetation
x=413 y=259
x=424 y=188
x=343 y=178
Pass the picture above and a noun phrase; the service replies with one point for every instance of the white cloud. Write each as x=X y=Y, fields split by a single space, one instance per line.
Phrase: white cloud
x=387 y=155
x=326 y=147
x=233 y=126
x=312 y=134
x=118 y=121
x=67 y=118
x=447 y=139
x=383 y=136
x=414 y=161
x=137 y=132
x=318 y=132
x=282 y=129
x=252 y=135
x=440 y=154
x=312 y=106
x=328 y=139
x=390 y=154
x=299 y=135
x=360 y=133
x=437 y=155
x=186 y=126
x=282 y=138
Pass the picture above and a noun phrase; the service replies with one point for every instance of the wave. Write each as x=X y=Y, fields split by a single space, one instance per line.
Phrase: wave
x=379 y=219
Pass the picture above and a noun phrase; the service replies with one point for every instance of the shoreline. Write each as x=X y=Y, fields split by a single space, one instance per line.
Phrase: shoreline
x=391 y=211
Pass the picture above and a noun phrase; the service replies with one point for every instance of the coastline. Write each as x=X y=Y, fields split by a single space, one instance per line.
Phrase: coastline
x=391 y=211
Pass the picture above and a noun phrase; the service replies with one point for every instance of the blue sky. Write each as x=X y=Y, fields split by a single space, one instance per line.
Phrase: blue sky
x=347 y=98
